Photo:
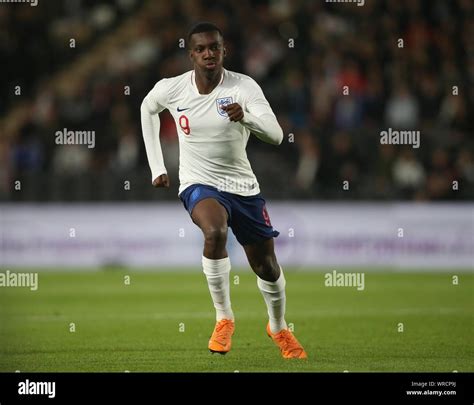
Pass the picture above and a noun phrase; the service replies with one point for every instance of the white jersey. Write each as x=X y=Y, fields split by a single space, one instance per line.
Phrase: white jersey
x=212 y=148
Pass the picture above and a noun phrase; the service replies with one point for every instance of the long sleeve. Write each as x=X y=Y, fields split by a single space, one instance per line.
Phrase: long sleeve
x=259 y=117
x=150 y=109
x=265 y=127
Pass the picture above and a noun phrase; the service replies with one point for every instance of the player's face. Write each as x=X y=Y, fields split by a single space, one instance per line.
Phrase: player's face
x=207 y=51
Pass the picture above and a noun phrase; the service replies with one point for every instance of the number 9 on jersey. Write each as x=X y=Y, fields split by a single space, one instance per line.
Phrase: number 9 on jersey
x=184 y=124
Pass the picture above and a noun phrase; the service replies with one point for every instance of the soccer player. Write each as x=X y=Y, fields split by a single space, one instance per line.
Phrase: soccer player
x=215 y=111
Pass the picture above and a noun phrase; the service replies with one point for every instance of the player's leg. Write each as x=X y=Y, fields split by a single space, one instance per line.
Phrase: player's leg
x=270 y=280
x=271 y=283
x=211 y=217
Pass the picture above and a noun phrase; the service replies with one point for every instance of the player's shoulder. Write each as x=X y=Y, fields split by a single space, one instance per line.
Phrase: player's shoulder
x=241 y=80
x=168 y=88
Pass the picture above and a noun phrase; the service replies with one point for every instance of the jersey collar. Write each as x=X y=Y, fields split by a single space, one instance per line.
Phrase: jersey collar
x=194 y=85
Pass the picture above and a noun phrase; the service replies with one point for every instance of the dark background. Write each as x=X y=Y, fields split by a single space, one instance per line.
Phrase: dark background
x=336 y=137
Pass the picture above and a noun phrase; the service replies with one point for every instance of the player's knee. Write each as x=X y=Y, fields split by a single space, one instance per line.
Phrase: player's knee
x=215 y=235
x=267 y=270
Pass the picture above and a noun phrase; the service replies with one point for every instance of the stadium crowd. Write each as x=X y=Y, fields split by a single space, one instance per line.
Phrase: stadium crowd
x=336 y=75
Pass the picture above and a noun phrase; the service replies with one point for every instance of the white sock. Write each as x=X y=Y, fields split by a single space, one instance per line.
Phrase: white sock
x=217 y=274
x=274 y=295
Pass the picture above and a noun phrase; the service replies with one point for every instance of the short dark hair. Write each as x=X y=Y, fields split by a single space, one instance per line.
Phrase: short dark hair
x=203 y=27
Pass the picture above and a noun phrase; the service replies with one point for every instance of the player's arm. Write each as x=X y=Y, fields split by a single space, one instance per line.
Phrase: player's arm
x=264 y=127
x=258 y=116
x=151 y=106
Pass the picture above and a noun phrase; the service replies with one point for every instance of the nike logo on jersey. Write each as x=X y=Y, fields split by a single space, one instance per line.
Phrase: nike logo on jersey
x=182 y=109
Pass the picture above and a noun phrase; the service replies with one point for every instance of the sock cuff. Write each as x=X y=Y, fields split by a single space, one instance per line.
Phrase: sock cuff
x=272 y=286
x=215 y=266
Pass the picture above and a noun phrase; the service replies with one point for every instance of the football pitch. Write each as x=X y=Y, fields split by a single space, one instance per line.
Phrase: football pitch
x=118 y=320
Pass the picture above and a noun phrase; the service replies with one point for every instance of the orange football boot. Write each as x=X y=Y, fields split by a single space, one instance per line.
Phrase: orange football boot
x=290 y=348
x=221 y=338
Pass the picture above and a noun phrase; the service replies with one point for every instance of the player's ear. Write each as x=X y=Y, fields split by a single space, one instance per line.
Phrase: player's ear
x=225 y=52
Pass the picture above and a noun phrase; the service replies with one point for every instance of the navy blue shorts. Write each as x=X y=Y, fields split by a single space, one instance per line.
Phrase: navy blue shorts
x=247 y=216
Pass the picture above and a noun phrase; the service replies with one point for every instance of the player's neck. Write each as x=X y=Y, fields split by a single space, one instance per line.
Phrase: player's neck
x=206 y=83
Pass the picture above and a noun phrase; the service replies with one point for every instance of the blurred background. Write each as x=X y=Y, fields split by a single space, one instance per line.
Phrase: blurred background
x=123 y=47
x=86 y=65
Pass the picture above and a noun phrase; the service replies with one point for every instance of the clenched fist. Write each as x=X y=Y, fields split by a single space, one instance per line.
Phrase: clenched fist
x=234 y=111
x=161 y=181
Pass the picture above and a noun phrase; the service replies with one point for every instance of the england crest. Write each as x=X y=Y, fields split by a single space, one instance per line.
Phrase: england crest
x=221 y=102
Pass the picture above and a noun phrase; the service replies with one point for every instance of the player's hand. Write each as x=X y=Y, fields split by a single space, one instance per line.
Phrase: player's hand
x=161 y=181
x=234 y=111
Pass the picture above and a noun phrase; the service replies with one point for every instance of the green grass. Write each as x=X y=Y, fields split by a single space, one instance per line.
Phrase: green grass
x=136 y=327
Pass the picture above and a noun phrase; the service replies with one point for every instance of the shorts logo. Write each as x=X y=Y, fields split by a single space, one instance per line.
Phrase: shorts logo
x=221 y=102
x=266 y=217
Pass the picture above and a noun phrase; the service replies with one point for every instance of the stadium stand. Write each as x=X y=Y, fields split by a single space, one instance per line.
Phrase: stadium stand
x=123 y=47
